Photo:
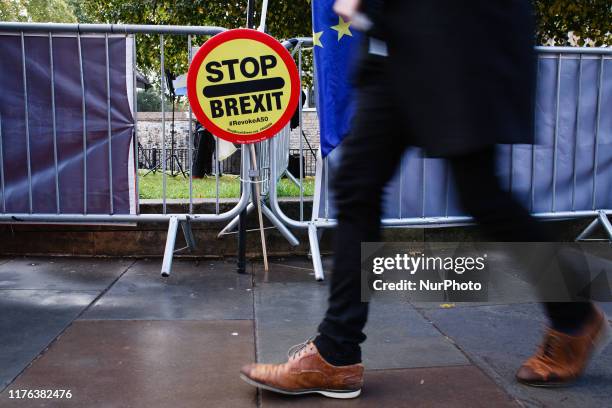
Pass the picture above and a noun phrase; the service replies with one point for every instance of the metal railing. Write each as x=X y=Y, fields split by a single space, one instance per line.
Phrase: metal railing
x=151 y=158
x=53 y=32
x=273 y=164
x=547 y=208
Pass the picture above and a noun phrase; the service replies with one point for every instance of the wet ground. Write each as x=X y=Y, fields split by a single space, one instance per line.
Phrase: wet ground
x=117 y=335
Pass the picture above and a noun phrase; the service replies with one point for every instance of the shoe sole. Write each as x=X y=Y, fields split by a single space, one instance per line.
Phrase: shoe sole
x=601 y=342
x=327 y=393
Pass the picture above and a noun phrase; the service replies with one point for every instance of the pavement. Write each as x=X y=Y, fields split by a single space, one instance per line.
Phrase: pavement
x=117 y=335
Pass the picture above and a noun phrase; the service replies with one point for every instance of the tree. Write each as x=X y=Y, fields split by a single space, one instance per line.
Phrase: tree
x=588 y=21
x=560 y=22
x=285 y=19
x=41 y=11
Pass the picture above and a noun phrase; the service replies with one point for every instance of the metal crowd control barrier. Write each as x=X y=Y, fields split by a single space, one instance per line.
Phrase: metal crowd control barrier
x=567 y=174
x=280 y=157
x=28 y=37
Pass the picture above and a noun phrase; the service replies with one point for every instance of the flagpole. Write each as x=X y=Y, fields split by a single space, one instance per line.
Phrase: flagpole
x=264 y=14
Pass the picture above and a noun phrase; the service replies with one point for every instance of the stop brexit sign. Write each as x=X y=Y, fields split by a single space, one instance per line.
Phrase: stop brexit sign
x=243 y=86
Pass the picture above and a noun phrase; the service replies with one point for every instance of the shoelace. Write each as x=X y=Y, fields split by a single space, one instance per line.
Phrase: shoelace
x=547 y=358
x=296 y=349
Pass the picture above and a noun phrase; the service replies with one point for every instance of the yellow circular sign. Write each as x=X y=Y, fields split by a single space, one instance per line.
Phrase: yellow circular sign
x=243 y=86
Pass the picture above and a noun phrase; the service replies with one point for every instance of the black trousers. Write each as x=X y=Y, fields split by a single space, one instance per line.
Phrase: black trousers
x=370 y=156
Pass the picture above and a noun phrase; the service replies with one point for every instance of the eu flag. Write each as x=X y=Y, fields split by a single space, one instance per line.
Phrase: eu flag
x=335 y=47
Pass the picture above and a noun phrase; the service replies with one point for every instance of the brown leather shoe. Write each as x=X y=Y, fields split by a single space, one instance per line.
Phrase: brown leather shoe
x=306 y=372
x=562 y=358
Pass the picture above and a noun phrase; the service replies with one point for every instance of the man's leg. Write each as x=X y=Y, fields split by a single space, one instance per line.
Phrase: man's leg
x=577 y=328
x=331 y=364
x=505 y=220
x=370 y=156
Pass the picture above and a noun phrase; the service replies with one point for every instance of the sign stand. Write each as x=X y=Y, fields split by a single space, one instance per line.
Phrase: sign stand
x=258 y=199
x=243 y=86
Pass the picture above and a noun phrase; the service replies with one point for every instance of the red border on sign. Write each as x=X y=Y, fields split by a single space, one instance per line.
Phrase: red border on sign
x=192 y=92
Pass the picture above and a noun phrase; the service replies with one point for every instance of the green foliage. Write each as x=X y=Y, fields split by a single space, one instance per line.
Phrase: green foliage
x=150 y=101
x=589 y=20
x=40 y=11
x=285 y=19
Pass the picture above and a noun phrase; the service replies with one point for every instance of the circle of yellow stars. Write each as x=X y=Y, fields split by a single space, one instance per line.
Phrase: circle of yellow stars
x=342 y=28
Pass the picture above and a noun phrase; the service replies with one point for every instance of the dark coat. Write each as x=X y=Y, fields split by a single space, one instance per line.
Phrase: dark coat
x=462 y=73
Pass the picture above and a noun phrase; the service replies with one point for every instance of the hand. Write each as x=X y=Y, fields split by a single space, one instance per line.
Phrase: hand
x=347 y=9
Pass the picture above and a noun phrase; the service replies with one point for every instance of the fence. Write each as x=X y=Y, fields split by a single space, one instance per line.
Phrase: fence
x=73 y=137
x=567 y=174
x=150 y=159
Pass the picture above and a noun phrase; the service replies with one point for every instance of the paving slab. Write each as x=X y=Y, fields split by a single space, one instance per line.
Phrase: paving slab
x=144 y=364
x=30 y=320
x=196 y=290
x=284 y=270
x=499 y=338
x=61 y=273
x=398 y=336
x=463 y=386
x=4 y=260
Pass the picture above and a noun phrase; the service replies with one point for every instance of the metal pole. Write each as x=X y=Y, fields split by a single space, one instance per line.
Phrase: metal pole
x=605 y=223
x=216 y=175
x=110 y=28
x=189 y=57
x=250 y=23
x=163 y=123
x=2 y=170
x=316 y=253
x=258 y=199
x=301 y=158
x=135 y=91
x=83 y=108
x=589 y=229
x=556 y=136
x=264 y=14
x=169 y=249
x=326 y=172
x=109 y=129
x=27 y=125
x=241 y=263
x=261 y=28
x=533 y=148
x=54 y=124
x=577 y=132
x=597 y=120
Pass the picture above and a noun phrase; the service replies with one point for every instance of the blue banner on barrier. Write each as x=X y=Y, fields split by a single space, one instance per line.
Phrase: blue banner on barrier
x=568 y=169
x=80 y=189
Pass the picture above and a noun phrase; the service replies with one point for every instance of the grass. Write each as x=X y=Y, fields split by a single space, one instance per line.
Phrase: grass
x=229 y=187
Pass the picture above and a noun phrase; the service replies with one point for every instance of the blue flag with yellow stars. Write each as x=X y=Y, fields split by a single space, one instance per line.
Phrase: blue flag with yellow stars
x=335 y=48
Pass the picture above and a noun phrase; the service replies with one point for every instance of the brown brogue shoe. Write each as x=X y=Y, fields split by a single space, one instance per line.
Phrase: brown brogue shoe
x=306 y=372
x=562 y=358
